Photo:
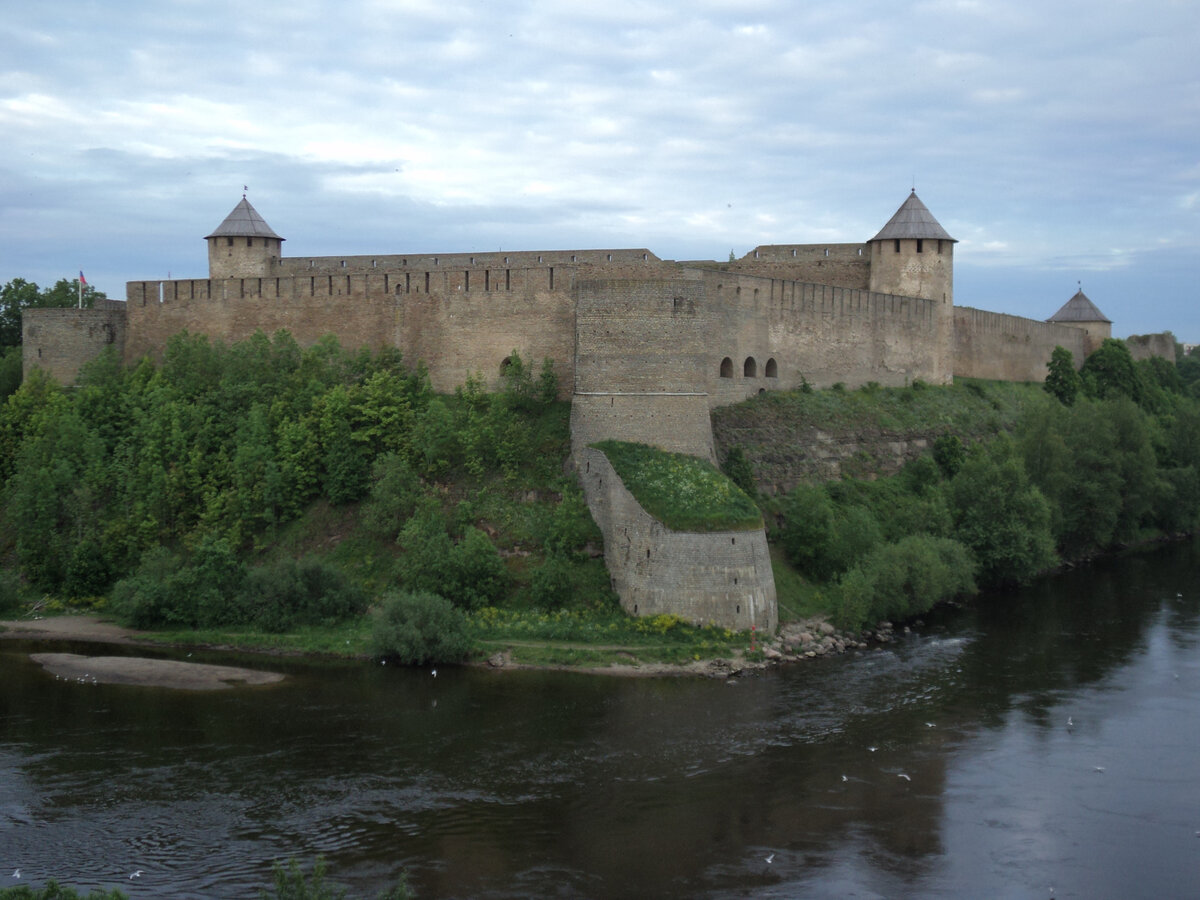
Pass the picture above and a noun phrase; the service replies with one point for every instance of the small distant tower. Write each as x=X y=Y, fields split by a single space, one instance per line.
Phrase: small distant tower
x=1080 y=312
x=243 y=246
x=913 y=256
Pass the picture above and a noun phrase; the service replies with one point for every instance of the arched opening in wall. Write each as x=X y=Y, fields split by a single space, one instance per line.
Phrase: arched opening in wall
x=772 y=370
x=505 y=365
x=750 y=368
x=727 y=368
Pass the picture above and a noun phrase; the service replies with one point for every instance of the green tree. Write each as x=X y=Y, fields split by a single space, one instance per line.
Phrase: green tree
x=1110 y=372
x=1002 y=518
x=1062 y=381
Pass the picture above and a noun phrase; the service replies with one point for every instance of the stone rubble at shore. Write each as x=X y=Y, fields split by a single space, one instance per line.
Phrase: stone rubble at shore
x=807 y=639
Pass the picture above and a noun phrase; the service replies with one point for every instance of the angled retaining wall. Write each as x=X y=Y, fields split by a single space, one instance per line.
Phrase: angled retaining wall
x=720 y=578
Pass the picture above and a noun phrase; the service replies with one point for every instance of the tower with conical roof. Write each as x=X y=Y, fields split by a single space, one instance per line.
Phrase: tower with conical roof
x=913 y=256
x=243 y=246
x=1081 y=312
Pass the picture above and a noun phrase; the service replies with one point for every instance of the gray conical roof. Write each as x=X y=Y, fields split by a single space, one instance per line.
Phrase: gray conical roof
x=244 y=221
x=913 y=220
x=1079 y=309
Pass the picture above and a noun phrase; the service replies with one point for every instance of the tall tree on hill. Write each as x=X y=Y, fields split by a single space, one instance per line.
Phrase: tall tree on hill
x=1062 y=381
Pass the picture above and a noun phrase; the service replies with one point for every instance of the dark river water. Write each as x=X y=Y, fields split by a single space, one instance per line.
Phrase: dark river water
x=942 y=765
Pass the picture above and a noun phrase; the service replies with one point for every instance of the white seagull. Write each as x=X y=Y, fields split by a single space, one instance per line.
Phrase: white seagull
x=905 y=777
x=137 y=874
x=16 y=873
x=770 y=858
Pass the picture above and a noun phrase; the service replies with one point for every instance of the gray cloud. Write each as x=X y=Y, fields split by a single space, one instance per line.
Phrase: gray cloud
x=1057 y=142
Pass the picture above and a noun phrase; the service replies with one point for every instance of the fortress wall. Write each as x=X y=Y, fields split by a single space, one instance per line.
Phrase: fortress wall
x=354 y=307
x=458 y=332
x=457 y=321
x=1010 y=348
x=719 y=578
x=642 y=335
x=499 y=259
x=676 y=422
x=819 y=334
x=1144 y=346
x=60 y=341
x=839 y=265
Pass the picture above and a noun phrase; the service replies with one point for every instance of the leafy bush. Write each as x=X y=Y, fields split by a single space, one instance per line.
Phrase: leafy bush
x=287 y=594
x=1062 y=381
x=417 y=628
x=949 y=452
x=823 y=539
x=12 y=592
x=739 y=470
x=395 y=494
x=1002 y=517
x=904 y=579
x=470 y=572
x=552 y=585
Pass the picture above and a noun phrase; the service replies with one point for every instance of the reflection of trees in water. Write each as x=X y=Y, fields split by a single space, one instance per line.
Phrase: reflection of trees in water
x=1074 y=629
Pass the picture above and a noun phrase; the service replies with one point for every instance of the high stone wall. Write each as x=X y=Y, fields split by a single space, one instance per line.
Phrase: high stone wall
x=1144 y=346
x=817 y=334
x=721 y=578
x=459 y=322
x=61 y=341
x=1010 y=348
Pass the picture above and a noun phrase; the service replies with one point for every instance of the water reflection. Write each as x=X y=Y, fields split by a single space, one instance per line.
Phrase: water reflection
x=525 y=784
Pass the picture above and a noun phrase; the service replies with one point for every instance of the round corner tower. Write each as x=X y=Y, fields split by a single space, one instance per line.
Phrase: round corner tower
x=243 y=246
x=913 y=256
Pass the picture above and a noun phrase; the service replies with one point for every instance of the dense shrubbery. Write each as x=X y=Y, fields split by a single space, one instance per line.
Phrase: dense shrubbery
x=212 y=588
x=416 y=628
x=164 y=484
x=904 y=579
x=1100 y=459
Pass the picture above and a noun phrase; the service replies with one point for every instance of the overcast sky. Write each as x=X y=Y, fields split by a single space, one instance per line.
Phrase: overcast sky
x=1059 y=142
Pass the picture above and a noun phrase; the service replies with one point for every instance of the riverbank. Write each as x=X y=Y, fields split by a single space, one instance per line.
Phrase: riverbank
x=133 y=670
x=809 y=639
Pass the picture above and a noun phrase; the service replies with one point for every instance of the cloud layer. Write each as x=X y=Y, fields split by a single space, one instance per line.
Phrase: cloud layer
x=1058 y=142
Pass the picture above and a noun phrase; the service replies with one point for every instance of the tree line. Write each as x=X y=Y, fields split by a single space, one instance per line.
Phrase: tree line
x=165 y=485
x=1106 y=456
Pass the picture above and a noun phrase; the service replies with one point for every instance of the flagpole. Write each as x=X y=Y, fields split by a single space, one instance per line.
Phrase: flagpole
x=79 y=284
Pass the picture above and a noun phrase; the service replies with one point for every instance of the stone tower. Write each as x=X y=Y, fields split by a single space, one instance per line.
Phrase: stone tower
x=243 y=246
x=913 y=256
x=1080 y=312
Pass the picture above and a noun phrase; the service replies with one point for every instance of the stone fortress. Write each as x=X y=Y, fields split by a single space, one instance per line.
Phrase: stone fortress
x=643 y=348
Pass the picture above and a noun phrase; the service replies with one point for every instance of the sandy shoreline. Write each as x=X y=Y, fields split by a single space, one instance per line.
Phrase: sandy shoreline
x=135 y=670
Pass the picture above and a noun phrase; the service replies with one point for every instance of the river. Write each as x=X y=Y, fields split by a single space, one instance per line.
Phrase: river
x=1043 y=743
